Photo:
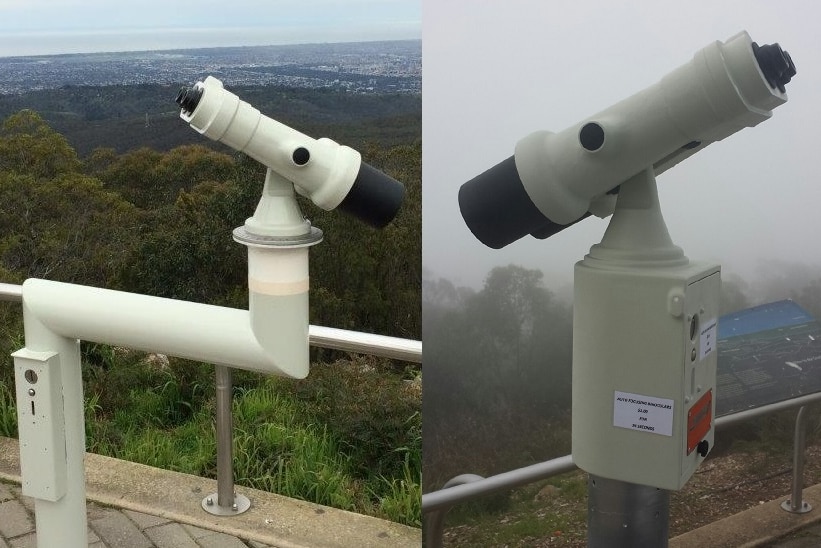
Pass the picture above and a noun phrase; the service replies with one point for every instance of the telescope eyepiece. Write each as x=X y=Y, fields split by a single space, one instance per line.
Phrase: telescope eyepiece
x=189 y=98
x=776 y=64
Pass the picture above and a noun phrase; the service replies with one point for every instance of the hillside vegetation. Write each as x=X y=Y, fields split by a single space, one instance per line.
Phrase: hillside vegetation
x=129 y=117
x=158 y=220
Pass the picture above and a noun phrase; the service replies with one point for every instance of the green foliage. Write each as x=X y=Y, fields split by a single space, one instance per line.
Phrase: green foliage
x=404 y=496
x=378 y=289
x=160 y=223
x=67 y=228
x=285 y=440
x=28 y=145
x=188 y=253
x=150 y=179
x=8 y=412
x=345 y=398
x=115 y=116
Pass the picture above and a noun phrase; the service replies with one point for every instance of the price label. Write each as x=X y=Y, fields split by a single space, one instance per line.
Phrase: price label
x=643 y=413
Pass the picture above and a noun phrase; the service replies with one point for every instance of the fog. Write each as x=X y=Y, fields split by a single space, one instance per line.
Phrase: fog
x=495 y=72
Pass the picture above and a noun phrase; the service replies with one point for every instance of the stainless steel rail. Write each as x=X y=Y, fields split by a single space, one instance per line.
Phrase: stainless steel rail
x=437 y=503
x=10 y=292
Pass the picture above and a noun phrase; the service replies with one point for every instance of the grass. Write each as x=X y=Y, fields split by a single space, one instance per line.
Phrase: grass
x=348 y=436
x=8 y=413
x=554 y=512
x=552 y=509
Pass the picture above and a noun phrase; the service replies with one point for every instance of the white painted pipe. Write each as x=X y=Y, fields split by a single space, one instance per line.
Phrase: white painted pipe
x=319 y=336
x=63 y=522
x=195 y=331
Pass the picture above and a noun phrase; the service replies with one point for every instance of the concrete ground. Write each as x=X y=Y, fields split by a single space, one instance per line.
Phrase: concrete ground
x=765 y=525
x=137 y=506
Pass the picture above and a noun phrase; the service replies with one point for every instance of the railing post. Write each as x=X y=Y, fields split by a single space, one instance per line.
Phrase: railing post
x=435 y=526
x=795 y=504
x=228 y=503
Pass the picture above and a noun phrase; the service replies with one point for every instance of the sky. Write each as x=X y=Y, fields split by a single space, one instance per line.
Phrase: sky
x=496 y=71
x=42 y=27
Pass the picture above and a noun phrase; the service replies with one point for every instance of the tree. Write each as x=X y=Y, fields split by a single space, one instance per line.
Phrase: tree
x=66 y=228
x=150 y=179
x=29 y=146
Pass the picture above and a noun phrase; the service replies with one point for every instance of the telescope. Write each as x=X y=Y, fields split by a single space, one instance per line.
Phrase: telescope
x=554 y=180
x=329 y=174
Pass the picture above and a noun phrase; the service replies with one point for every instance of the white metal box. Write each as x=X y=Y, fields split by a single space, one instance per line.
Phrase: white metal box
x=41 y=424
x=644 y=369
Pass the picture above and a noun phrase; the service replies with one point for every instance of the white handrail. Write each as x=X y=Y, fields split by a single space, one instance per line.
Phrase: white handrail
x=321 y=337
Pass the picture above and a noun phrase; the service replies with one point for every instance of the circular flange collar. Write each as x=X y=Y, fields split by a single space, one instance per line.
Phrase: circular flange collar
x=244 y=237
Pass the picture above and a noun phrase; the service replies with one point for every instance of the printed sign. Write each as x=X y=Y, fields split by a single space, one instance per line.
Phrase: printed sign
x=707 y=339
x=643 y=413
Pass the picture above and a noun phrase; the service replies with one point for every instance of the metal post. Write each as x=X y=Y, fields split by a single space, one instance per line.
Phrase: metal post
x=625 y=515
x=228 y=503
x=795 y=504
x=63 y=522
x=435 y=525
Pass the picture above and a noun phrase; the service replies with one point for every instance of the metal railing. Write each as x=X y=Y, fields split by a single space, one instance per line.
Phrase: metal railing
x=466 y=487
x=319 y=336
x=227 y=501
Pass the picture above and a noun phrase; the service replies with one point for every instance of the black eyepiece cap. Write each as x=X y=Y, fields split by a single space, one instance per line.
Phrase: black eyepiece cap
x=374 y=198
x=776 y=64
x=189 y=98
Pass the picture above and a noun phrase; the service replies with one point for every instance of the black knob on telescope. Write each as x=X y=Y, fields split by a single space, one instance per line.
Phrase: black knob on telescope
x=189 y=98
x=498 y=210
x=374 y=198
x=775 y=63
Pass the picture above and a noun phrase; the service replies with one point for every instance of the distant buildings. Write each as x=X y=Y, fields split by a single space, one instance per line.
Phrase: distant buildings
x=365 y=67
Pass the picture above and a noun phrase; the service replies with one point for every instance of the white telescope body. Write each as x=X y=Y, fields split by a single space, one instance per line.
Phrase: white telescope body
x=555 y=179
x=329 y=174
x=644 y=315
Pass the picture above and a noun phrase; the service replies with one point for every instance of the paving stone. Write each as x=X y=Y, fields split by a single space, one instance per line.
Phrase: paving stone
x=144 y=521
x=803 y=542
x=117 y=530
x=5 y=492
x=16 y=521
x=170 y=535
x=95 y=511
x=28 y=541
x=3 y=544
x=220 y=540
x=255 y=544
x=196 y=532
x=17 y=492
x=814 y=530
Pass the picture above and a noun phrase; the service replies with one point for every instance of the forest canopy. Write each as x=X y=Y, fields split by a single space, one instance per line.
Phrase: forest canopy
x=160 y=223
